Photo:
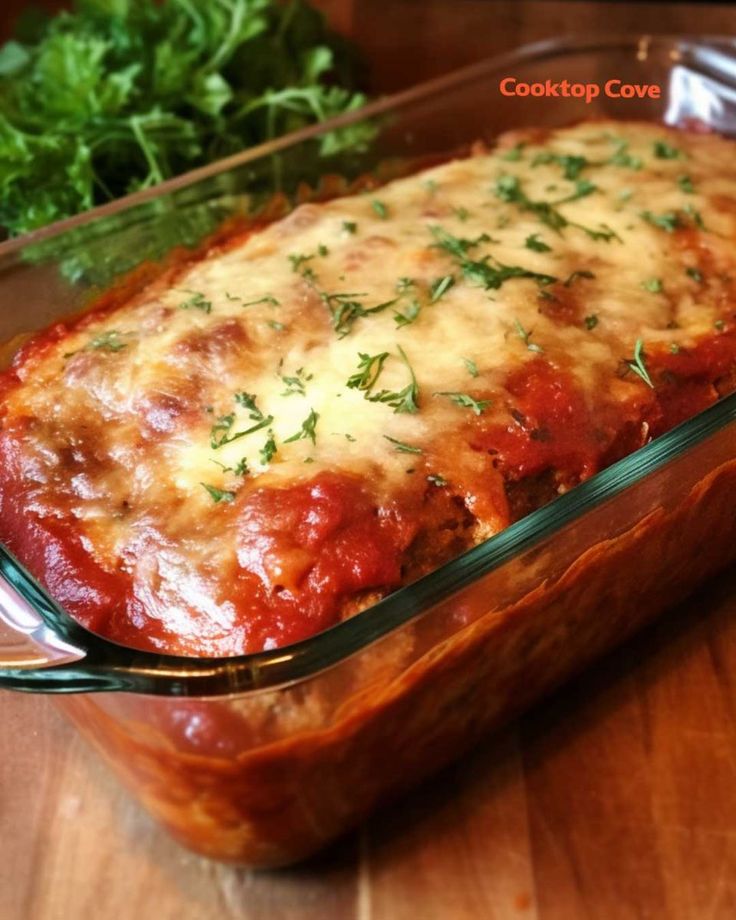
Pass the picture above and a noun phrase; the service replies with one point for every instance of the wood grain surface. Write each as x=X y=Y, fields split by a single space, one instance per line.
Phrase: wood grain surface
x=614 y=799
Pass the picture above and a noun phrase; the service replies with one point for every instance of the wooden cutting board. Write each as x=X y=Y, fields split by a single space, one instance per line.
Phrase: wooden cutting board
x=614 y=799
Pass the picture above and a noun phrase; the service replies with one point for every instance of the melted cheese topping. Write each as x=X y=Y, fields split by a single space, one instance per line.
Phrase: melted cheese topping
x=588 y=249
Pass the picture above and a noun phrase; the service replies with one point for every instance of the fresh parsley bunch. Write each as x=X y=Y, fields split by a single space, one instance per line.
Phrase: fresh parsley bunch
x=118 y=95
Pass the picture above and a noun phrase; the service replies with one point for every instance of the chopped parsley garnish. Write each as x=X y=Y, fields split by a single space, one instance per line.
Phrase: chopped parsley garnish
x=410 y=314
x=622 y=157
x=696 y=216
x=583 y=188
x=241 y=469
x=461 y=213
x=106 y=341
x=267 y=298
x=526 y=338
x=581 y=273
x=308 y=429
x=369 y=370
x=437 y=480
x=403 y=284
x=275 y=324
x=695 y=274
x=380 y=208
x=222 y=431
x=218 y=495
x=664 y=151
x=482 y=271
x=197 y=301
x=295 y=385
x=466 y=401
x=686 y=184
x=402 y=447
x=345 y=310
x=439 y=287
x=591 y=321
x=535 y=244
x=674 y=348
x=430 y=185
x=406 y=400
x=322 y=250
x=571 y=165
x=653 y=285
x=719 y=324
x=268 y=451
x=349 y=226
x=514 y=154
x=508 y=188
x=637 y=365
x=471 y=367
x=299 y=260
x=668 y=221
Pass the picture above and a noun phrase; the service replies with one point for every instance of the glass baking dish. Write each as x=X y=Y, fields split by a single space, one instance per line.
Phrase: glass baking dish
x=262 y=759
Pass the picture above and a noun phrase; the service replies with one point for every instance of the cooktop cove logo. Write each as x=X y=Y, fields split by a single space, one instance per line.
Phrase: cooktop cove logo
x=566 y=89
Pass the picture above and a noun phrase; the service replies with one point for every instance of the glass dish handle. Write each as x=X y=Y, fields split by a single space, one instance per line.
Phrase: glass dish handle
x=26 y=641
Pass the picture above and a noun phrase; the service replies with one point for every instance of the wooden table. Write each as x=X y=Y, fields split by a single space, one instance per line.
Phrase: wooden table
x=614 y=799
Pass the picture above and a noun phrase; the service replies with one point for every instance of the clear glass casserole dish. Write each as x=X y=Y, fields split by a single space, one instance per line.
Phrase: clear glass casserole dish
x=262 y=759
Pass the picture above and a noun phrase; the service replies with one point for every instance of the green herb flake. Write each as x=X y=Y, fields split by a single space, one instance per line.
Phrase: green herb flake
x=591 y=321
x=466 y=401
x=197 y=301
x=369 y=370
x=535 y=244
x=686 y=184
x=218 y=495
x=402 y=447
x=269 y=449
x=696 y=216
x=350 y=227
x=308 y=429
x=668 y=221
x=695 y=274
x=623 y=158
x=267 y=298
x=653 y=285
x=380 y=208
x=461 y=213
x=410 y=314
x=471 y=367
x=514 y=154
x=437 y=480
x=241 y=468
x=440 y=287
x=526 y=338
x=637 y=364
x=106 y=341
x=275 y=325
x=406 y=400
x=719 y=324
x=581 y=273
x=345 y=309
x=296 y=384
x=664 y=151
x=674 y=348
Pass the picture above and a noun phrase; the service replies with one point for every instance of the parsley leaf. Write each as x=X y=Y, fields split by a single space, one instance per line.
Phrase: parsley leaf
x=440 y=287
x=526 y=338
x=118 y=95
x=308 y=429
x=653 y=285
x=197 y=301
x=402 y=447
x=664 y=151
x=668 y=221
x=535 y=244
x=471 y=367
x=218 y=495
x=466 y=401
x=369 y=369
x=637 y=365
x=380 y=208
x=406 y=400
